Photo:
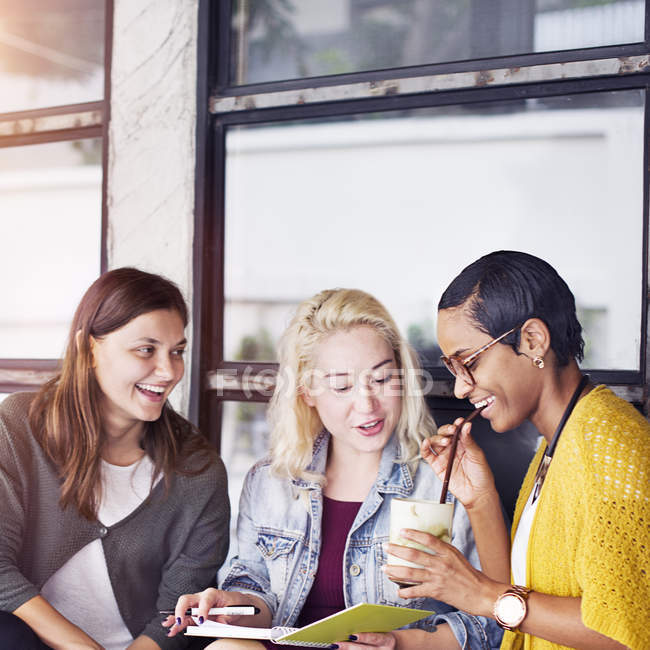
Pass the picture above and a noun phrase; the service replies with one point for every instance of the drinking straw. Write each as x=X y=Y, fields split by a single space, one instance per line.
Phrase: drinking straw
x=452 y=451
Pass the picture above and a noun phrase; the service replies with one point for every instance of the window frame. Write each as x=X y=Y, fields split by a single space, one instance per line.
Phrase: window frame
x=60 y=124
x=220 y=106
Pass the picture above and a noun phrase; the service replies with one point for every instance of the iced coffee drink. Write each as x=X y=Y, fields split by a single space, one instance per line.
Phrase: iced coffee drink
x=428 y=516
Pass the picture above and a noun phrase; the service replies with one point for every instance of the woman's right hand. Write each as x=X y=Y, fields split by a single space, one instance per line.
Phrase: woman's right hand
x=211 y=597
x=471 y=478
x=443 y=573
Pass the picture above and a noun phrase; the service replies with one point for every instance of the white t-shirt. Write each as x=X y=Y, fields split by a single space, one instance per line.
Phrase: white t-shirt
x=520 y=543
x=81 y=589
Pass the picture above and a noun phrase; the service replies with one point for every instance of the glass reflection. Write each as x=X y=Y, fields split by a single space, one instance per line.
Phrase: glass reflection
x=51 y=53
x=287 y=39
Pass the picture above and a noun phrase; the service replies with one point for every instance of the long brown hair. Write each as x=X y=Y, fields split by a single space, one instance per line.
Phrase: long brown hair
x=64 y=415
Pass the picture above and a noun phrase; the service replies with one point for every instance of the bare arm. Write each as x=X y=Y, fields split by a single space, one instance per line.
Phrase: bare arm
x=54 y=629
x=558 y=619
x=491 y=537
x=449 y=577
x=472 y=483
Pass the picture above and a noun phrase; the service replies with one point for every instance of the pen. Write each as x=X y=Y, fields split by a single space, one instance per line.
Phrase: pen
x=231 y=610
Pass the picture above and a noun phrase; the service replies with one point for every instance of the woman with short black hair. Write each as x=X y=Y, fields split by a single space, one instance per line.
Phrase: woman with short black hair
x=579 y=560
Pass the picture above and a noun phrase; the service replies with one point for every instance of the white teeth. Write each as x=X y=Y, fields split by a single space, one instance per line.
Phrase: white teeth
x=484 y=402
x=151 y=388
x=369 y=425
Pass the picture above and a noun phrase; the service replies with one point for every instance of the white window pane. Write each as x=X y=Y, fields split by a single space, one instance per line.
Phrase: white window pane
x=397 y=205
x=50 y=242
x=244 y=440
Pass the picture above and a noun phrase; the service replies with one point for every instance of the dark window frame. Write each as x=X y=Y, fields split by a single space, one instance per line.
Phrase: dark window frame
x=209 y=368
x=29 y=374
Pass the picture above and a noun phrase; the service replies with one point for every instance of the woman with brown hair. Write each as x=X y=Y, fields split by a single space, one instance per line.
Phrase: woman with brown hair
x=111 y=503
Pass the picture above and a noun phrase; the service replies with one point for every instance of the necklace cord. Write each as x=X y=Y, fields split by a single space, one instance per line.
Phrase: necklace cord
x=565 y=416
x=550 y=450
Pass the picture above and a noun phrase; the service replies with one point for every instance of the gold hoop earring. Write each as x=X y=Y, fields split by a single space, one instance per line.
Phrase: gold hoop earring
x=538 y=362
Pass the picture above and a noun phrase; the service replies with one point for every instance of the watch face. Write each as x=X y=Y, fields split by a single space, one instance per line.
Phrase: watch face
x=511 y=609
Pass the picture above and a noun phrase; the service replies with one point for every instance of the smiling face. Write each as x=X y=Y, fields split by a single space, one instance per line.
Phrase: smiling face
x=356 y=390
x=137 y=366
x=508 y=382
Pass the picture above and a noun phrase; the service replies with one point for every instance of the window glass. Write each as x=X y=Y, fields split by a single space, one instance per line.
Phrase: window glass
x=279 y=39
x=51 y=53
x=50 y=238
x=397 y=204
x=244 y=440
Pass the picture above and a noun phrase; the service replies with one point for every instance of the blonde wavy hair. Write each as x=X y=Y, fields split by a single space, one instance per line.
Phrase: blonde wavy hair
x=295 y=425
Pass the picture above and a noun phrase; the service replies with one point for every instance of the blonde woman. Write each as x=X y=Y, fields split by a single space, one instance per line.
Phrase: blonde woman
x=347 y=419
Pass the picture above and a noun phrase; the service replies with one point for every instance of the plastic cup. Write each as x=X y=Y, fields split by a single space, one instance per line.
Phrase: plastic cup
x=428 y=516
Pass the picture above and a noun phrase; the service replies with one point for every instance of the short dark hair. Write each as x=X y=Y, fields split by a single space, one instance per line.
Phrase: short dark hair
x=505 y=288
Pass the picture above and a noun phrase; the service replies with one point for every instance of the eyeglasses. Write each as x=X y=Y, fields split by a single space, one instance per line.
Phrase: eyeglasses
x=458 y=366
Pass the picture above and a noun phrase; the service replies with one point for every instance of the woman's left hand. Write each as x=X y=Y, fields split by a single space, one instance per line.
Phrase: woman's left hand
x=370 y=640
x=439 y=637
x=445 y=576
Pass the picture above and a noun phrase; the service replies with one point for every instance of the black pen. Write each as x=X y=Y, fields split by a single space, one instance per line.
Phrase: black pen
x=230 y=610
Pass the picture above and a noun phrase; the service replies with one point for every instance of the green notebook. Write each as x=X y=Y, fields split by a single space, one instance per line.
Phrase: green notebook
x=321 y=634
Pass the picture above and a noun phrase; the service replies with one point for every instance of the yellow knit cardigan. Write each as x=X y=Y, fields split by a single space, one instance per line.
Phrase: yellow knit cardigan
x=591 y=532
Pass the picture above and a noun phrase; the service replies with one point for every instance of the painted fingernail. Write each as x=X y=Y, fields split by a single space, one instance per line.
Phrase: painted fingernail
x=178 y=620
x=201 y=620
x=334 y=646
x=353 y=637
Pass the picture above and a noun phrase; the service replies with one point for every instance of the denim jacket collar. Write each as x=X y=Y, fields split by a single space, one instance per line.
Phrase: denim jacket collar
x=392 y=477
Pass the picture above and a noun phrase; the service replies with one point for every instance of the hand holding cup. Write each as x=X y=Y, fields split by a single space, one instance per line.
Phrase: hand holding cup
x=418 y=514
x=443 y=574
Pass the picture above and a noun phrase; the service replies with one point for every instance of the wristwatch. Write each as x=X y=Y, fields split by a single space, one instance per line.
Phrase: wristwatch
x=510 y=608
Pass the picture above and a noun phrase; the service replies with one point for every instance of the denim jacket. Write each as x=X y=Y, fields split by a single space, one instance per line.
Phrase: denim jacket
x=278 y=532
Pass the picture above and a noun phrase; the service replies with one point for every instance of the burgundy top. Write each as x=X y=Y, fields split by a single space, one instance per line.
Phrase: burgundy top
x=326 y=595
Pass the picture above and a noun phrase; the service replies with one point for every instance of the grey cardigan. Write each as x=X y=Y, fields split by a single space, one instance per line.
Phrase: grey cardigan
x=173 y=543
